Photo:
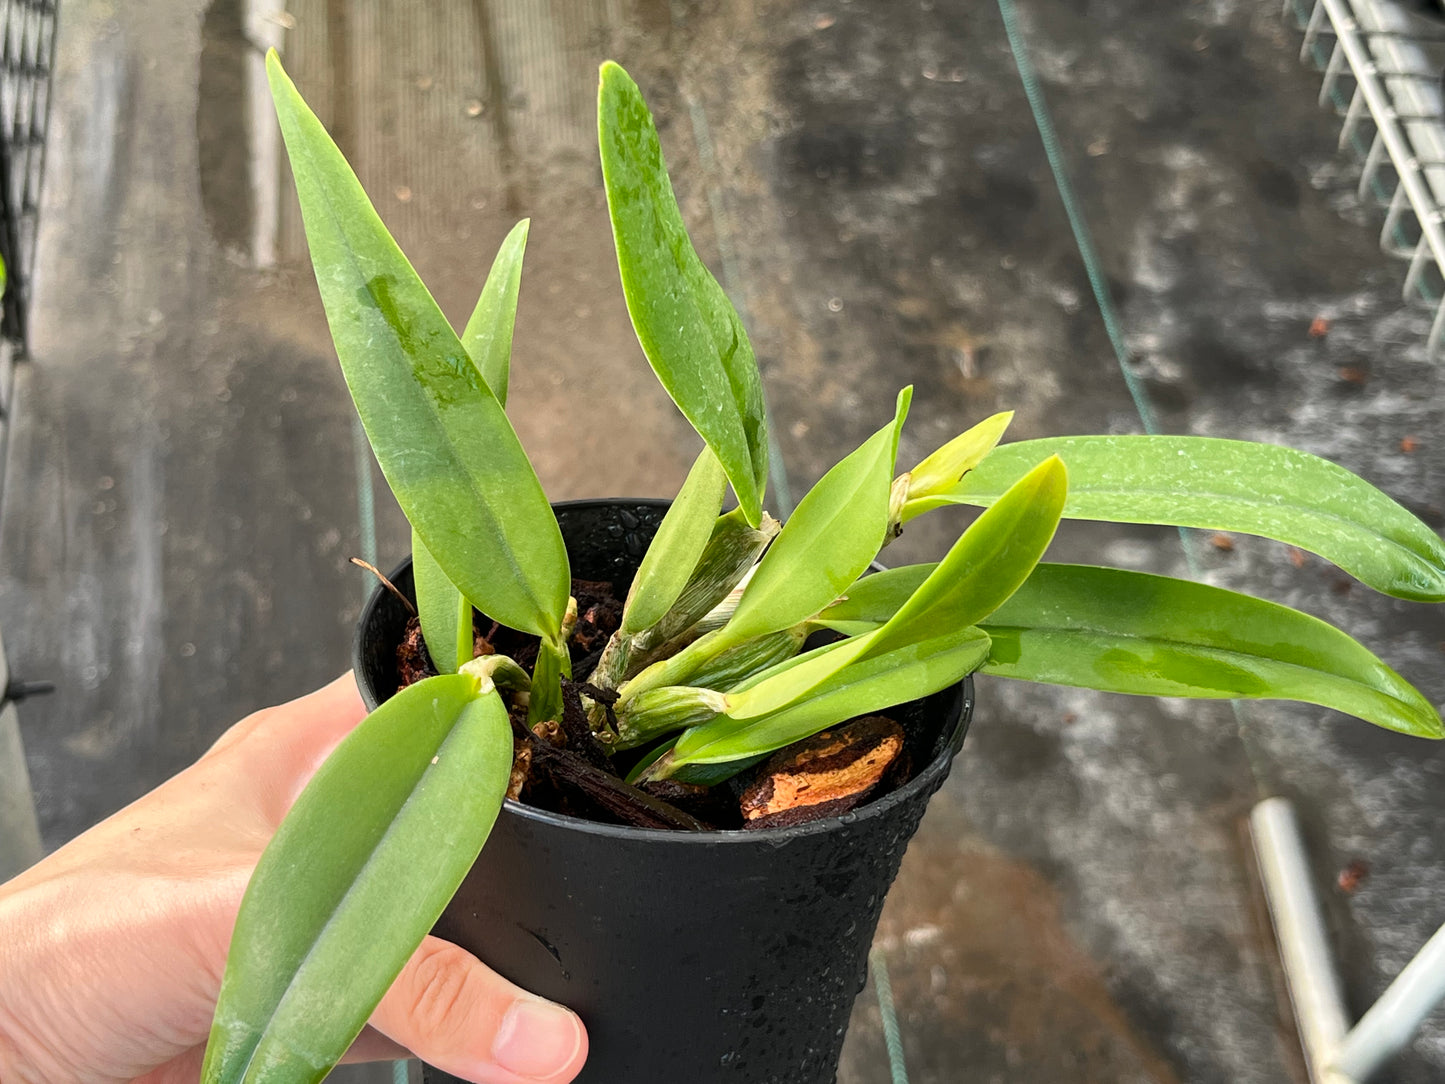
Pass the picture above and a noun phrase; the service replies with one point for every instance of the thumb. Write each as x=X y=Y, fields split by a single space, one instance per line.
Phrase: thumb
x=455 y=1013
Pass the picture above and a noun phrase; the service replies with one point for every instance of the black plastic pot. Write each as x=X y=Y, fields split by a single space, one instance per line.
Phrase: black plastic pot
x=693 y=958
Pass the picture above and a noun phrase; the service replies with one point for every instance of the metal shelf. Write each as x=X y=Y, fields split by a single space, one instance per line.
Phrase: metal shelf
x=1381 y=73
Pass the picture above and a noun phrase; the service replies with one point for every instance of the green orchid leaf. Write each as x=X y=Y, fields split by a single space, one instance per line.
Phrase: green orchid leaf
x=488 y=335
x=835 y=531
x=1227 y=485
x=830 y=538
x=657 y=752
x=358 y=872
x=441 y=436
x=988 y=562
x=710 y=775
x=554 y=662
x=984 y=567
x=945 y=468
x=658 y=764
x=872 y=600
x=446 y=617
x=1132 y=632
x=689 y=330
x=869 y=684
x=788 y=682
x=678 y=545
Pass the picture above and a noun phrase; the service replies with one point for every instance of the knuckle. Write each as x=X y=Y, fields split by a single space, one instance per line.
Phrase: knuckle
x=441 y=990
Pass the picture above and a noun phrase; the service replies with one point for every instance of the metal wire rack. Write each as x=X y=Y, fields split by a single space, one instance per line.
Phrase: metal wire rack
x=1381 y=63
x=1381 y=70
x=27 y=57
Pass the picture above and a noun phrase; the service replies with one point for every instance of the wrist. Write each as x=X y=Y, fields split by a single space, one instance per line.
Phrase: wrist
x=17 y=962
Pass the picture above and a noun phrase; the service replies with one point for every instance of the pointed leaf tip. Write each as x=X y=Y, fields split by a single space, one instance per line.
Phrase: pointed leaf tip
x=687 y=326
x=440 y=434
x=1227 y=485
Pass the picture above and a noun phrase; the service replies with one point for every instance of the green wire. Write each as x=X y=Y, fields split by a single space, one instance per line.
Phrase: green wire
x=1321 y=59
x=1077 y=223
x=892 y=1039
x=1110 y=317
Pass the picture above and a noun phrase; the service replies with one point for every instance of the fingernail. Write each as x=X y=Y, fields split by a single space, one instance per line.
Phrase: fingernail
x=537 y=1039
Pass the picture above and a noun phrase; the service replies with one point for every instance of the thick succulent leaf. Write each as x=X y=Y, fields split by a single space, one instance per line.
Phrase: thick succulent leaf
x=944 y=468
x=554 y=662
x=867 y=685
x=359 y=870
x=830 y=538
x=676 y=548
x=487 y=338
x=446 y=617
x=439 y=433
x=688 y=328
x=1132 y=632
x=646 y=761
x=710 y=775
x=988 y=562
x=983 y=568
x=659 y=765
x=872 y=600
x=789 y=681
x=1228 y=485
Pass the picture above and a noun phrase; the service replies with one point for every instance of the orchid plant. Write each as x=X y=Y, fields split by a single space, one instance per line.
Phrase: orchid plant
x=708 y=672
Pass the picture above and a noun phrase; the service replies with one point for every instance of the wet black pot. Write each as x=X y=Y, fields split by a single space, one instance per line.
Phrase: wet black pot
x=693 y=958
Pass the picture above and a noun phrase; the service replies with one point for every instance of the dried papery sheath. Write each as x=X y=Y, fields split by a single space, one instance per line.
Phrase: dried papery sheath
x=662 y=711
x=723 y=612
x=897 y=499
x=731 y=552
x=737 y=664
x=713 y=620
x=611 y=665
x=569 y=619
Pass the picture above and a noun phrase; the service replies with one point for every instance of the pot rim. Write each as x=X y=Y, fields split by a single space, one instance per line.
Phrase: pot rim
x=929 y=777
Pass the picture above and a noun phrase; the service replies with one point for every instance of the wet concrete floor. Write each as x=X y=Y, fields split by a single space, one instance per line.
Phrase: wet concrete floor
x=182 y=492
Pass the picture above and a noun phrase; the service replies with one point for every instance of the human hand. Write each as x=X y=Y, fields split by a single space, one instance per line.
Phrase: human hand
x=112 y=949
